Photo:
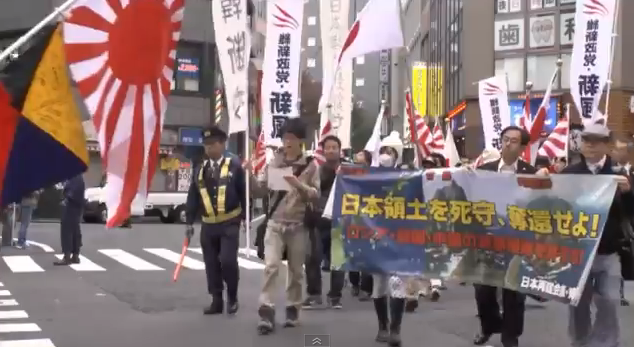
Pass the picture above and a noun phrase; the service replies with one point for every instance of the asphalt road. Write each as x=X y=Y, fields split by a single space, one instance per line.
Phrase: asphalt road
x=123 y=295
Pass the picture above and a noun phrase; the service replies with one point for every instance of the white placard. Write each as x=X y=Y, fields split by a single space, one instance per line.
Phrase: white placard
x=276 y=179
x=566 y=28
x=509 y=34
x=542 y=31
x=494 y=110
x=334 y=30
x=233 y=42
x=281 y=66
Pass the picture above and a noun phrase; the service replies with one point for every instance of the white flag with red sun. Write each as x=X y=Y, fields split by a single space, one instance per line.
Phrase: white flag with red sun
x=121 y=54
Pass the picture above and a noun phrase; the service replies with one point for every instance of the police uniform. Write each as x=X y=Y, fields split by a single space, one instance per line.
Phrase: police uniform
x=217 y=191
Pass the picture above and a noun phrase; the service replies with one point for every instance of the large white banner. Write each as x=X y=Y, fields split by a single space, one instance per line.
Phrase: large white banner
x=280 y=71
x=234 y=46
x=334 y=30
x=590 y=61
x=494 y=110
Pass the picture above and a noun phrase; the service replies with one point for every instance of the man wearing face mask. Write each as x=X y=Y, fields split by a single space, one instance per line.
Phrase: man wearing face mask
x=320 y=236
x=389 y=311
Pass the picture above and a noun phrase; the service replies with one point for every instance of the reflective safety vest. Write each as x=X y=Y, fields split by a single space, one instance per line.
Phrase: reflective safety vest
x=212 y=217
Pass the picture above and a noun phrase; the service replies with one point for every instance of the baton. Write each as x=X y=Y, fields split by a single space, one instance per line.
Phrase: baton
x=177 y=270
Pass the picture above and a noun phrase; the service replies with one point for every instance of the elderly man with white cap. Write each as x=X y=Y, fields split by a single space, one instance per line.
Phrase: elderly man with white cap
x=602 y=286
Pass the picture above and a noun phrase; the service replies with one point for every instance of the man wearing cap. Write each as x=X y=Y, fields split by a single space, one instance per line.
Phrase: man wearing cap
x=602 y=286
x=217 y=190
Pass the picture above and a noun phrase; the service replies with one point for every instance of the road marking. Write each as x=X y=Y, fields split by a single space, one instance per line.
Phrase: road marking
x=85 y=264
x=19 y=328
x=46 y=248
x=5 y=293
x=21 y=264
x=28 y=343
x=254 y=253
x=1 y=284
x=130 y=260
x=244 y=263
x=13 y=314
x=9 y=302
x=174 y=257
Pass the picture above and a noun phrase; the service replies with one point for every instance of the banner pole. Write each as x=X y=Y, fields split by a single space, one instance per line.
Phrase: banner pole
x=39 y=26
x=614 y=36
x=247 y=183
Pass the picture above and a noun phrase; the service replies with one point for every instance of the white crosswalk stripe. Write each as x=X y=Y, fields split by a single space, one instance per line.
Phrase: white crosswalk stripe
x=15 y=331
x=8 y=302
x=101 y=260
x=28 y=343
x=21 y=263
x=84 y=264
x=5 y=293
x=130 y=260
x=18 y=327
x=17 y=314
x=174 y=257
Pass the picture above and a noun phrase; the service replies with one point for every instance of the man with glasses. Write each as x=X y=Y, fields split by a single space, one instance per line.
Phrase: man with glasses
x=511 y=323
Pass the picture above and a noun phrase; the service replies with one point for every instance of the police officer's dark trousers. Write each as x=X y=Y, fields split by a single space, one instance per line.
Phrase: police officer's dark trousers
x=220 y=243
x=70 y=229
x=511 y=323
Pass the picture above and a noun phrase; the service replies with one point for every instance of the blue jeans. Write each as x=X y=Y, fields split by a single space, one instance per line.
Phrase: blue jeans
x=602 y=288
x=25 y=219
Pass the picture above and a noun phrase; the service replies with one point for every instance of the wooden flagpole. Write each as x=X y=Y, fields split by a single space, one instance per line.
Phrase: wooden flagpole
x=614 y=35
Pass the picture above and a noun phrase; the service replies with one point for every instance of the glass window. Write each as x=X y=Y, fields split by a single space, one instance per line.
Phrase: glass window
x=539 y=70
x=565 y=71
x=359 y=82
x=311 y=62
x=311 y=42
x=312 y=20
x=513 y=68
x=361 y=60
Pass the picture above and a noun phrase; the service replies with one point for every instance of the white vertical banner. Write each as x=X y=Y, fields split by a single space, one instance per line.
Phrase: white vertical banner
x=494 y=109
x=281 y=67
x=234 y=46
x=333 y=15
x=590 y=61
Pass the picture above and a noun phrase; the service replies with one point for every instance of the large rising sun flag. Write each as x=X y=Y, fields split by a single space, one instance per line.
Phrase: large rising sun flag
x=41 y=137
x=121 y=53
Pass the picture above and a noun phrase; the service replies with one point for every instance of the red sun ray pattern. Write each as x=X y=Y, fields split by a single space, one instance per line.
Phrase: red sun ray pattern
x=147 y=30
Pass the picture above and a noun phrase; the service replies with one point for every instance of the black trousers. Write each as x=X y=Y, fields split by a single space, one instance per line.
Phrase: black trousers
x=361 y=280
x=511 y=323
x=313 y=270
x=220 y=243
x=70 y=229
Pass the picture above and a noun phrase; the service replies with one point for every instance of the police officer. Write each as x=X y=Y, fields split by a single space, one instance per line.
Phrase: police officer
x=218 y=191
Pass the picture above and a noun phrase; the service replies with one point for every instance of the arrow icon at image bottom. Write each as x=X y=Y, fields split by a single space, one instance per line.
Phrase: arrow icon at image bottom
x=316 y=341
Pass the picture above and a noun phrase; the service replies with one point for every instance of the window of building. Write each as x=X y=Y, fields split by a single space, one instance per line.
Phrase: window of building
x=311 y=42
x=312 y=20
x=359 y=82
x=539 y=70
x=565 y=71
x=361 y=60
x=187 y=73
x=513 y=68
x=311 y=62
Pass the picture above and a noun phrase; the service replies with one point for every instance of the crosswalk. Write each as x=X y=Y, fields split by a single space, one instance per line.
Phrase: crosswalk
x=15 y=322
x=146 y=259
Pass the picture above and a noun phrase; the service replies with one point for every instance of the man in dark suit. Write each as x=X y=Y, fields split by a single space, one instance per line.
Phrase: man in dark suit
x=218 y=190
x=71 y=219
x=511 y=324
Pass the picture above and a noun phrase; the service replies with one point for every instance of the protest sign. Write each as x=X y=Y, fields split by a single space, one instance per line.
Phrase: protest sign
x=529 y=234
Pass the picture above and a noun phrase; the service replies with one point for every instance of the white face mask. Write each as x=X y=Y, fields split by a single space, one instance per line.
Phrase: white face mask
x=386 y=160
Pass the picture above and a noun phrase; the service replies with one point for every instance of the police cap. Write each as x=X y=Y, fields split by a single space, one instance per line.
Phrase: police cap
x=214 y=134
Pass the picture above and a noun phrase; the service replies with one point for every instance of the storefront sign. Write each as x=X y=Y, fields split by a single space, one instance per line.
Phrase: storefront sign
x=566 y=28
x=542 y=31
x=509 y=34
x=190 y=136
x=187 y=67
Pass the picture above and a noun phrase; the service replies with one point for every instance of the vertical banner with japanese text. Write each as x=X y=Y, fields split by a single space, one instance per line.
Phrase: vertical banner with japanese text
x=234 y=47
x=435 y=83
x=281 y=67
x=590 y=61
x=334 y=30
x=494 y=109
x=419 y=88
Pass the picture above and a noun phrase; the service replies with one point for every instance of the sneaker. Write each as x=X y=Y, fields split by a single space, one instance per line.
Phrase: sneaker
x=335 y=303
x=292 y=317
x=313 y=302
x=266 y=324
x=20 y=245
x=435 y=295
x=624 y=302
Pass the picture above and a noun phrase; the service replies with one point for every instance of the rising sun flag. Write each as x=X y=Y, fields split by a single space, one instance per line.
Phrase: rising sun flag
x=121 y=53
x=42 y=140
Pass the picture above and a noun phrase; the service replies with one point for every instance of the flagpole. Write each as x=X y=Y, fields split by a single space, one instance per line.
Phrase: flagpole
x=247 y=185
x=39 y=26
x=568 y=138
x=614 y=36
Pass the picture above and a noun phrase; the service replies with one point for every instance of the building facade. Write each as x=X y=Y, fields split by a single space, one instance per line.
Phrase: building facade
x=190 y=105
x=520 y=39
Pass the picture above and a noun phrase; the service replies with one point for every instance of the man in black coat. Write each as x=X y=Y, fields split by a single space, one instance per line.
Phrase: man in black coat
x=218 y=190
x=511 y=324
x=602 y=285
x=70 y=223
